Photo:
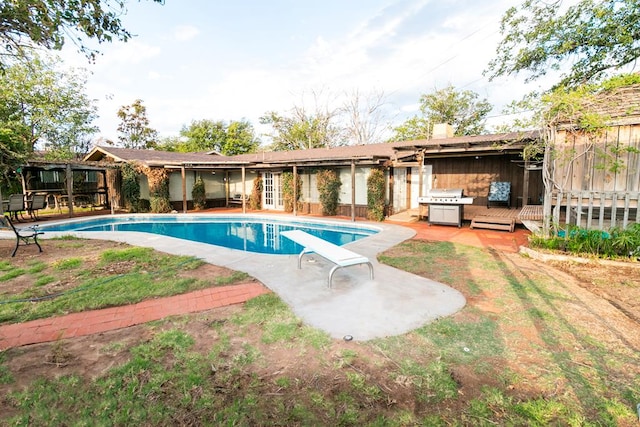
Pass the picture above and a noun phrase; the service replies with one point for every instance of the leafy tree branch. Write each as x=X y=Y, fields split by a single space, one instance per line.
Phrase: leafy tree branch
x=585 y=42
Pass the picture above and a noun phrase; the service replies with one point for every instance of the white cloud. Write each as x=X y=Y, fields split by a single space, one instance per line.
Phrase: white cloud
x=185 y=32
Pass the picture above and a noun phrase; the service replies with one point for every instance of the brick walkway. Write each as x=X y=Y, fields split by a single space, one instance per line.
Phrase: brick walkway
x=96 y=321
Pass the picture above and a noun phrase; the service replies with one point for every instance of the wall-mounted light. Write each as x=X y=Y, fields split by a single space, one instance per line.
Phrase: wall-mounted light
x=213 y=172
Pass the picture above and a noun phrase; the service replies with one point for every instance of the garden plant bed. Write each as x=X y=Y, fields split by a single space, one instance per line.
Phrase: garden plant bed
x=537 y=343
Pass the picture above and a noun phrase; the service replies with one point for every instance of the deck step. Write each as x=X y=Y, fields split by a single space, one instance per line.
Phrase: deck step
x=494 y=223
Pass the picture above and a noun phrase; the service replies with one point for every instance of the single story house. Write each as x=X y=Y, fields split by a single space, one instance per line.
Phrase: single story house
x=412 y=168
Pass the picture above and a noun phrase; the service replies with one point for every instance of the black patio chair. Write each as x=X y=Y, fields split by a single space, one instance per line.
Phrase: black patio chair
x=24 y=235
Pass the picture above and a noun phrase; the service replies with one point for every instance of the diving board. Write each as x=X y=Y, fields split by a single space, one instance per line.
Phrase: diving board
x=338 y=255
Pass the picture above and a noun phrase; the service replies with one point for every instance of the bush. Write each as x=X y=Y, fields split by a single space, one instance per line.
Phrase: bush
x=158 y=190
x=144 y=205
x=198 y=194
x=130 y=187
x=329 y=184
x=376 y=195
x=615 y=243
x=255 y=201
x=288 y=191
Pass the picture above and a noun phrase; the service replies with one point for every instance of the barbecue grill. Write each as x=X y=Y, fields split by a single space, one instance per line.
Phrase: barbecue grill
x=446 y=206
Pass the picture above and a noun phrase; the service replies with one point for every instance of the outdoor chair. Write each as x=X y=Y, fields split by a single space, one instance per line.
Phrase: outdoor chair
x=24 y=235
x=16 y=206
x=499 y=192
x=38 y=202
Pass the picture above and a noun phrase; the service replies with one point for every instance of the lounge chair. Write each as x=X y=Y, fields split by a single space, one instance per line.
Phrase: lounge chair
x=24 y=235
x=16 y=206
x=499 y=192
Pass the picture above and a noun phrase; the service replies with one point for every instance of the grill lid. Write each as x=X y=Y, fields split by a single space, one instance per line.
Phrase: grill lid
x=445 y=193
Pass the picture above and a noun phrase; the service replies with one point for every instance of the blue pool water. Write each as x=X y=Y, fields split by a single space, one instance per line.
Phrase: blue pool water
x=261 y=235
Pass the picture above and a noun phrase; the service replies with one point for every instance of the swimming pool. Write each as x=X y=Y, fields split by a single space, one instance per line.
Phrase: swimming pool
x=251 y=234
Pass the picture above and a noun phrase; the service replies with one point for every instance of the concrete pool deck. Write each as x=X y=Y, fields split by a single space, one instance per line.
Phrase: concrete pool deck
x=392 y=303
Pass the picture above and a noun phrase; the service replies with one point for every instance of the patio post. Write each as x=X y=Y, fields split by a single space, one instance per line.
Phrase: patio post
x=69 y=173
x=295 y=190
x=226 y=188
x=244 y=191
x=420 y=158
x=183 y=172
x=353 y=190
x=525 y=186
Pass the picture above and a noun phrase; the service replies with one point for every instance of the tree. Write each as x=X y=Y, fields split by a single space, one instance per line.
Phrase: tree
x=240 y=139
x=237 y=137
x=47 y=108
x=584 y=41
x=364 y=117
x=202 y=135
x=412 y=129
x=46 y=23
x=303 y=129
x=134 y=130
x=461 y=109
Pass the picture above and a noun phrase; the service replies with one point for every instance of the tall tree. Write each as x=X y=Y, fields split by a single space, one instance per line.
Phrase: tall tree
x=134 y=130
x=584 y=41
x=202 y=135
x=302 y=130
x=241 y=139
x=364 y=117
x=47 y=108
x=309 y=124
x=237 y=137
x=413 y=128
x=461 y=109
x=25 y=24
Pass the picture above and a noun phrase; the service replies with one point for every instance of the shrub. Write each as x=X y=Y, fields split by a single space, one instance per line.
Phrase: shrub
x=198 y=194
x=158 y=190
x=614 y=243
x=288 y=191
x=375 y=195
x=255 y=201
x=130 y=187
x=329 y=184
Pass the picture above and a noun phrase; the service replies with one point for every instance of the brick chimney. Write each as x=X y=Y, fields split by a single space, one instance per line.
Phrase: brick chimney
x=442 y=130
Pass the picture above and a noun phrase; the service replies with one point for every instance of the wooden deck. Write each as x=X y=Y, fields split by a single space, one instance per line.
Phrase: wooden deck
x=472 y=211
x=527 y=215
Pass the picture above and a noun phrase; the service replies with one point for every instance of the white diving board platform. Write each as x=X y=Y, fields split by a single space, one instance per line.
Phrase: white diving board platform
x=338 y=255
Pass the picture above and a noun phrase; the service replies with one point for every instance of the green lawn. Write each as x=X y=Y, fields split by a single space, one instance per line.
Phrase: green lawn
x=528 y=349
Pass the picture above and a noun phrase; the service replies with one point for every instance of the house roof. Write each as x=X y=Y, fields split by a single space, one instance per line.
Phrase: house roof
x=496 y=143
x=148 y=157
x=370 y=154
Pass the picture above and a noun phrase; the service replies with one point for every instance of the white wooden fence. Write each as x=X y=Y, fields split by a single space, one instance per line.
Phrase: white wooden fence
x=601 y=210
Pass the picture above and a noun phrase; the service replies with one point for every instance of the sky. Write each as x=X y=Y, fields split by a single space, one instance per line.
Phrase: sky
x=237 y=60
